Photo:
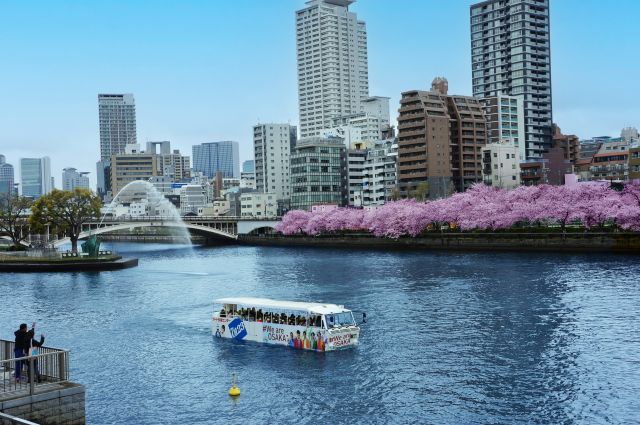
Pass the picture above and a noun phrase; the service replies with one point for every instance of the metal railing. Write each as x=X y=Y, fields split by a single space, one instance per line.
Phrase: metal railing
x=6 y=419
x=51 y=365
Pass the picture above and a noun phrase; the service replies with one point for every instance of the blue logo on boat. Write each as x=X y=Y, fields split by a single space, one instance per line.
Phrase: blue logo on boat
x=237 y=330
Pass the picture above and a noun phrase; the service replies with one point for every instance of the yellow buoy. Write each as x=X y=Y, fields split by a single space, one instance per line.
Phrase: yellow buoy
x=234 y=391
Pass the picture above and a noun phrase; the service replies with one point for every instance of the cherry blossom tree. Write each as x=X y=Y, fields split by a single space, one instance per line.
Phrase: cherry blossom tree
x=480 y=208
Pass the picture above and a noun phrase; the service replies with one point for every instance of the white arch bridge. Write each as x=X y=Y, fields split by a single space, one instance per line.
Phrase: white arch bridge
x=225 y=228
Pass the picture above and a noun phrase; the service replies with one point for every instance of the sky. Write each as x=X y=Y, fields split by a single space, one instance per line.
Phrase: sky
x=208 y=70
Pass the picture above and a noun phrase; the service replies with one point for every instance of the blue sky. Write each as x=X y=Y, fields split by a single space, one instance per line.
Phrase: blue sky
x=209 y=70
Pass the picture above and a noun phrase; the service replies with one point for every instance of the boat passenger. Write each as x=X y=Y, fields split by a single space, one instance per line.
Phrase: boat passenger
x=274 y=318
x=292 y=319
x=223 y=313
x=283 y=318
x=259 y=315
x=297 y=342
x=318 y=321
x=252 y=314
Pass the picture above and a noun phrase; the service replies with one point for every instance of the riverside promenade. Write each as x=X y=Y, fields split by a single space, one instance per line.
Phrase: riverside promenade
x=52 y=400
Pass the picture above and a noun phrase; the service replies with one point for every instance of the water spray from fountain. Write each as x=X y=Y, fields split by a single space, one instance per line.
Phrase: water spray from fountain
x=157 y=205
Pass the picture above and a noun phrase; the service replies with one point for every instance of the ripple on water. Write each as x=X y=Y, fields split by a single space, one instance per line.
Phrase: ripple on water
x=451 y=337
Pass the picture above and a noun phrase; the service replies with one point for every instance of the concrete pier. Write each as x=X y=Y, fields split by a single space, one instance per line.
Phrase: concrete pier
x=44 y=394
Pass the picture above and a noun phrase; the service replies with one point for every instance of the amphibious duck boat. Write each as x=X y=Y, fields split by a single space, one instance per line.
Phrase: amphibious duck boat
x=298 y=325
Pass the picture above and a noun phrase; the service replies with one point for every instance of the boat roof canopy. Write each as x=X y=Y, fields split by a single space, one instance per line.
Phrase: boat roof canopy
x=266 y=303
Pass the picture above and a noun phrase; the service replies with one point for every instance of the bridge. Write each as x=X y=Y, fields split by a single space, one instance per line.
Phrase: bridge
x=226 y=228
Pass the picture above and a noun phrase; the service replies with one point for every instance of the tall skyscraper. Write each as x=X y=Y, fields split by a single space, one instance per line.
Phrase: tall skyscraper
x=35 y=176
x=72 y=179
x=332 y=63
x=272 y=145
x=510 y=55
x=117 y=121
x=208 y=158
x=6 y=177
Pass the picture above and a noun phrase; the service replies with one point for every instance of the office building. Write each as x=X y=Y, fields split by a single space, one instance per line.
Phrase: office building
x=272 y=152
x=505 y=121
x=6 y=177
x=194 y=197
x=510 y=55
x=440 y=140
x=208 y=158
x=501 y=165
x=332 y=63
x=256 y=204
x=130 y=166
x=72 y=179
x=249 y=166
x=35 y=177
x=319 y=173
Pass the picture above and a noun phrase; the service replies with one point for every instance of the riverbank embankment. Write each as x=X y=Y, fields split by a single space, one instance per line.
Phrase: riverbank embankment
x=620 y=242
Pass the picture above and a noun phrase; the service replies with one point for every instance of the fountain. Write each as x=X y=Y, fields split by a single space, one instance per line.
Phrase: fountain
x=144 y=195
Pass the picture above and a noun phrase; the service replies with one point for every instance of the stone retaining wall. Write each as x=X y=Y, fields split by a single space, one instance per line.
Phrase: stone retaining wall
x=59 y=407
x=570 y=242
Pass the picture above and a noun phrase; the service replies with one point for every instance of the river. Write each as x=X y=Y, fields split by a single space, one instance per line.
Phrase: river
x=450 y=338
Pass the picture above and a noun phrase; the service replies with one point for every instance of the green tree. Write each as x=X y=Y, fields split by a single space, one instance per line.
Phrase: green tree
x=13 y=217
x=421 y=191
x=66 y=211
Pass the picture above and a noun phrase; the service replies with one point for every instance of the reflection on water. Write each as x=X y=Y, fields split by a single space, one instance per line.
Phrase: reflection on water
x=450 y=337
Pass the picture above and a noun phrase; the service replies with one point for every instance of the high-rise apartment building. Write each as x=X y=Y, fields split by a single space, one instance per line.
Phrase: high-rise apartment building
x=6 y=177
x=117 y=124
x=440 y=138
x=35 y=176
x=272 y=144
x=332 y=63
x=71 y=179
x=117 y=120
x=208 y=158
x=510 y=55
x=505 y=121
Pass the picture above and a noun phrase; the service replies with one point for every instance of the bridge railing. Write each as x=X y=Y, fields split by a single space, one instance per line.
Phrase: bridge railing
x=189 y=219
x=49 y=366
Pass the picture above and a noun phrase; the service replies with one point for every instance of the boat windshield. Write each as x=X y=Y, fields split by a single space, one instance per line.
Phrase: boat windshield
x=339 y=319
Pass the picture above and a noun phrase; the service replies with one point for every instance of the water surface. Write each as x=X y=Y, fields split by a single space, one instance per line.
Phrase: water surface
x=451 y=338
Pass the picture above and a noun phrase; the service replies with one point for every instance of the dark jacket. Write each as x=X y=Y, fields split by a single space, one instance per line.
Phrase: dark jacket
x=36 y=343
x=23 y=339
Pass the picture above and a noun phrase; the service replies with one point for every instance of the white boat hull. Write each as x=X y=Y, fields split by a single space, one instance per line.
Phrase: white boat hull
x=297 y=337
